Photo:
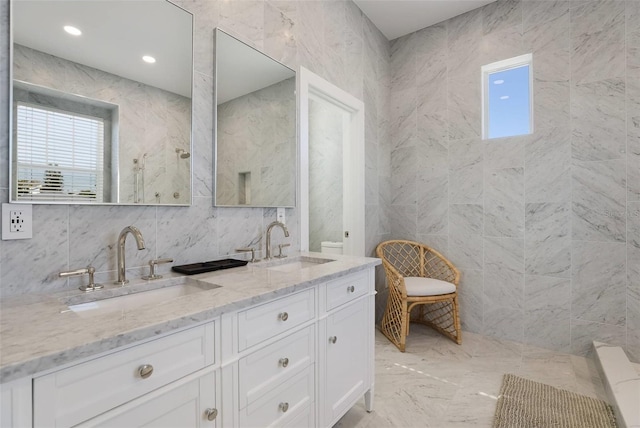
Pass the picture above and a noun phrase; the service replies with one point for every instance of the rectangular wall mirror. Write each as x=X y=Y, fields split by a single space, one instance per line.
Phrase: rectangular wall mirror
x=256 y=143
x=101 y=102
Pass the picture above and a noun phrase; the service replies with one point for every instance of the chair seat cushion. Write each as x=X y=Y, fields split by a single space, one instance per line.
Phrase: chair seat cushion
x=418 y=286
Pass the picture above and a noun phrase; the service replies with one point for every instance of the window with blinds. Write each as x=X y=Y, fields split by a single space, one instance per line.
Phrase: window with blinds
x=59 y=156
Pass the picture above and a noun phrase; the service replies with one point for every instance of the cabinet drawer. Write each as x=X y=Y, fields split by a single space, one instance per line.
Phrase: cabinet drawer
x=78 y=393
x=262 y=322
x=265 y=369
x=343 y=290
x=281 y=406
x=305 y=419
x=182 y=405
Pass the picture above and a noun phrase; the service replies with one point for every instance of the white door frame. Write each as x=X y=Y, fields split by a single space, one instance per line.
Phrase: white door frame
x=311 y=86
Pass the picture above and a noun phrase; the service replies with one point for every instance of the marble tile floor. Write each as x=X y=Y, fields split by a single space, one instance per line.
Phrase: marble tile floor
x=437 y=383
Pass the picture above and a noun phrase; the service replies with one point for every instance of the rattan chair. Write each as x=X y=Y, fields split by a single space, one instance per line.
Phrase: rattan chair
x=422 y=289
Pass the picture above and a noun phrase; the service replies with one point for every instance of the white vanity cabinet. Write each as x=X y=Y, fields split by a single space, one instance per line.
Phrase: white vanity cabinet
x=302 y=360
x=299 y=360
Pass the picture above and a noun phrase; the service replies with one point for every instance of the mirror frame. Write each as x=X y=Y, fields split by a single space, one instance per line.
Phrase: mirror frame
x=295 y=159
x=11 y=128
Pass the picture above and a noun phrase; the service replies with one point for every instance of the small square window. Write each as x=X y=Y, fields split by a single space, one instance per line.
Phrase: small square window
x=506 y=98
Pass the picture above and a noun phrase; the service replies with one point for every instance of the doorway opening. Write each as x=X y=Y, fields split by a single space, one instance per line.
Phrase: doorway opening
x=331 y=166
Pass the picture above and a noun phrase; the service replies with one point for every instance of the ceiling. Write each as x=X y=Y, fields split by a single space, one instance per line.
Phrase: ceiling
x=396 y=18
x=115 y=36
x=241 y=69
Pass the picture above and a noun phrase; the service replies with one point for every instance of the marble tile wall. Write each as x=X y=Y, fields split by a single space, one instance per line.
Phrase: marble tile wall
x=544 y=227
x=331 y=38
x=152 y=121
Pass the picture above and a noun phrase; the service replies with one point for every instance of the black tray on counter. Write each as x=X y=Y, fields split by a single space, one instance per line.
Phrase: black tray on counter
x=194 y=268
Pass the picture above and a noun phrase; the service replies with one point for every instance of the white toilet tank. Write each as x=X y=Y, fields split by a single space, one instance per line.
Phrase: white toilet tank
x=331 y=247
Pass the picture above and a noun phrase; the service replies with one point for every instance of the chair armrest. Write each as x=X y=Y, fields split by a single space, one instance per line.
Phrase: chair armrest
x=394 y=278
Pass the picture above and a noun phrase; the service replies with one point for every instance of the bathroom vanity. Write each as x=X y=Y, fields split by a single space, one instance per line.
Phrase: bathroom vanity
x=287 y=344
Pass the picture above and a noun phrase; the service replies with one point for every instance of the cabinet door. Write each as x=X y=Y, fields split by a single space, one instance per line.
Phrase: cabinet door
x=182 y=404
x=15 y=404
x=346 y=358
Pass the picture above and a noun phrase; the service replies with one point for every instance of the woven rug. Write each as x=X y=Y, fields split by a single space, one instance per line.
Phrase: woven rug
x=524 y=403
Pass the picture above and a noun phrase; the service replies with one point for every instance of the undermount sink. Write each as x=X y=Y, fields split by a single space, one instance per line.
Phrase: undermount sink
x=129 y=298
x=297 y=263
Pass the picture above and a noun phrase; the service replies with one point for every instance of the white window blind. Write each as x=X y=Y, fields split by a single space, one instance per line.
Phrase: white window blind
x=59 y=156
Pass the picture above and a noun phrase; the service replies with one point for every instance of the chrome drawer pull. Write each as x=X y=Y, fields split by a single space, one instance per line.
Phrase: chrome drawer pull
x=284 y=407
x=333 y=339
x=145 y=371
x=283 y=316
x=284 y=362
x=211 y=414
x=351 y=289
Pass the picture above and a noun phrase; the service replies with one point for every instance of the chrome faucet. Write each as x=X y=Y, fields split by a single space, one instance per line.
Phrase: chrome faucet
x=122 y=277
x=271 y=226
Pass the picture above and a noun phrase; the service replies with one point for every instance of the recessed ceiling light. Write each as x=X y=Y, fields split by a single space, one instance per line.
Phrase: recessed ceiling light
x=498 y=82
x=149 y=59
x=504 y=97
x=72 y=30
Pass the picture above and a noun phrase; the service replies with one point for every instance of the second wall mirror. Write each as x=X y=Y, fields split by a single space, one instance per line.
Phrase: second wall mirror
x=255 y=136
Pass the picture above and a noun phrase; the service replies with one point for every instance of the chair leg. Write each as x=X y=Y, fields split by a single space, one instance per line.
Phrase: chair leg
x=393 y=323
x=403 y=338
x=456 y=320
x=407 y=320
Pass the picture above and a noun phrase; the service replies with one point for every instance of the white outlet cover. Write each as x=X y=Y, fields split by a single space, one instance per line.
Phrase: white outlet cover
x=280 y=216
x=25 y=211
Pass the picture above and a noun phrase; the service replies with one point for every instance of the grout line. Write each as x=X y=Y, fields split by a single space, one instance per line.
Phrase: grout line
x=524 y=185
x=571 y=42
x=483 y=201
x=626 y=193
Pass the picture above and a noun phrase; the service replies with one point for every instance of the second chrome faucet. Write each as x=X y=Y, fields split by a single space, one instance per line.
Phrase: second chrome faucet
x=122 y=275
x=269 y=228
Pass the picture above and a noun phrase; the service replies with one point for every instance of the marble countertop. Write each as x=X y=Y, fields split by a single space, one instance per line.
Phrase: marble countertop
x=39 y=332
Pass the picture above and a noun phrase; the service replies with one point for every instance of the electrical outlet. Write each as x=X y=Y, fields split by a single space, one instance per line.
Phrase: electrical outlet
x=280 y=215
x=16 y=221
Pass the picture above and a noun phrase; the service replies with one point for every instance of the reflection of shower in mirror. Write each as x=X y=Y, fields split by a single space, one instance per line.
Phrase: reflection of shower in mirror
x=183 y=154
x=138 y=179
